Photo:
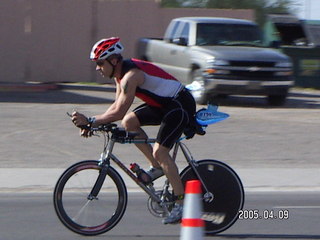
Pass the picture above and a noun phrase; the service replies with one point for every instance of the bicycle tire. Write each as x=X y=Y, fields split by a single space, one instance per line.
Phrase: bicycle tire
x=228 y=194
x=85 y=216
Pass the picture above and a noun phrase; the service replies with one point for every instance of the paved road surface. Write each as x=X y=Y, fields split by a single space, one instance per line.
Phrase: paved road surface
x=31 y=217
x=272 y=149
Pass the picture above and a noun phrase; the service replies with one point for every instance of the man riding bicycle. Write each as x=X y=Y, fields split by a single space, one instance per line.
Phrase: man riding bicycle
x=167 y=103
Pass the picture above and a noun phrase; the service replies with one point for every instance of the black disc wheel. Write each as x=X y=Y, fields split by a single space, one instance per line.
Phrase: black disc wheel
x=222 y=194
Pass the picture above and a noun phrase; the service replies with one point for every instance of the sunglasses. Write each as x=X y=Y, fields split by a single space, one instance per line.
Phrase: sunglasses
x=100 y=62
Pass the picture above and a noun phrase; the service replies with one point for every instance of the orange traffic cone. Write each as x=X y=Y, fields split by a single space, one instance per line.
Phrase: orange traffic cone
x=192 y=225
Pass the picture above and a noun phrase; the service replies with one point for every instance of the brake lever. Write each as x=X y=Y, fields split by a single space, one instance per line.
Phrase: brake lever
x=69 y=114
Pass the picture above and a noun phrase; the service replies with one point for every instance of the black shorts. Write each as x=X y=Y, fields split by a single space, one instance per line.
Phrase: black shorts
x=172 y=118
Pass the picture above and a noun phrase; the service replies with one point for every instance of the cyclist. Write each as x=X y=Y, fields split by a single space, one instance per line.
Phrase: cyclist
x=167 y=103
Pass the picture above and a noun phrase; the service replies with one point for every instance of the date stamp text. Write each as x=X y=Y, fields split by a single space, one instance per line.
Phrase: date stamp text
x=255 y=214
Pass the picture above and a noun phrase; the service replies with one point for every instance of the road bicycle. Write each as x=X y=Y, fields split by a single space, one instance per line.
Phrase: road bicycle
x=90 y=197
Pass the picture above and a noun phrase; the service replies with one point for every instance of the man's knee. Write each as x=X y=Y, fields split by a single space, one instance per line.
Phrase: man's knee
x=130 y=122
x=160 y=153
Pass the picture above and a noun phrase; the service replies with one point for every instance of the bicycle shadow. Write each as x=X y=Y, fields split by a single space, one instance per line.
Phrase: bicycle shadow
x=267 y=236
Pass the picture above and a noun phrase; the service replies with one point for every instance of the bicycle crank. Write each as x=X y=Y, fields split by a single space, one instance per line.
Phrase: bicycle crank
x=163 y=208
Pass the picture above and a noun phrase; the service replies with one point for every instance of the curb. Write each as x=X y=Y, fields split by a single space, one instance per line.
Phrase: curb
x=254 y=180
x=32 y=87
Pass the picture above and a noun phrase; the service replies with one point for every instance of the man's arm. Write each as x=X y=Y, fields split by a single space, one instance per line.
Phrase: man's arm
x=124 y=98
x=113 y=105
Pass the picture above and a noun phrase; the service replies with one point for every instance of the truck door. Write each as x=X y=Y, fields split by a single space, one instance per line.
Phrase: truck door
x=178 y=61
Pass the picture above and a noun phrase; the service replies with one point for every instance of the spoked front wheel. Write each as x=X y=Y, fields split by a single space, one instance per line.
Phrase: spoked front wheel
x=224 y=197
x=83 y=211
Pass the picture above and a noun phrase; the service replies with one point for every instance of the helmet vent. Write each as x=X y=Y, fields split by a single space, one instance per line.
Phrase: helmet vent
x=102 y=55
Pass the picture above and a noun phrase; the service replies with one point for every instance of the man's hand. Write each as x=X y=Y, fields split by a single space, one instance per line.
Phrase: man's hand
x=79 y=119
x=85 y=133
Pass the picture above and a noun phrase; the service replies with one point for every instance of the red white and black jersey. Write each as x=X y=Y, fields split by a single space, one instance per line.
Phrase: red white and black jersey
x=158 y=88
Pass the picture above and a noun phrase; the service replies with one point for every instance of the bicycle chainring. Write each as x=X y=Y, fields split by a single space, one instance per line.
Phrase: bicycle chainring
x=162 y=209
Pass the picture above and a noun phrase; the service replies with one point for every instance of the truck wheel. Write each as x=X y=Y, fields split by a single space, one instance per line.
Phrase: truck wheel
x=277 y=100
x=199 y=94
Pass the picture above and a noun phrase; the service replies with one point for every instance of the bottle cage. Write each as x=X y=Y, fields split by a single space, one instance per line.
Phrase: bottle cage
x=210 y=115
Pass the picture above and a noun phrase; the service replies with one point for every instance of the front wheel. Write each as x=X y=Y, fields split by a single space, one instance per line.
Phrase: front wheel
x=80 y=210
x=224 y=198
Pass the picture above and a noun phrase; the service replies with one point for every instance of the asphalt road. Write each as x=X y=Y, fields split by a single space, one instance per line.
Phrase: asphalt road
x=35 y=124
x=258 y=141
x=273 y=149
x=31 y=217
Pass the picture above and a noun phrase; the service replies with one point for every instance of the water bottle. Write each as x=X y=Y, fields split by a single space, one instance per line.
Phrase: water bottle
x=141 y=174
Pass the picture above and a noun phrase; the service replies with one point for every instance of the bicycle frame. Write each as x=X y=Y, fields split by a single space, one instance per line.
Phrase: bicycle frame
x=107 y=155
x=105 y=162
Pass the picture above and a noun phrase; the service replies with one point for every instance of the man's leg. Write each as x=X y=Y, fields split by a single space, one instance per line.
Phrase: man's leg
x=170 y=169
x=131 y=123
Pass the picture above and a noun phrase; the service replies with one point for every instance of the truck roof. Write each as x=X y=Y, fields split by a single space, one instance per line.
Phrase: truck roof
x=214 y=20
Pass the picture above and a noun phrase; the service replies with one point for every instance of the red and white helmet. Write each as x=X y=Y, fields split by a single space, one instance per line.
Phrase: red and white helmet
x=105 y=48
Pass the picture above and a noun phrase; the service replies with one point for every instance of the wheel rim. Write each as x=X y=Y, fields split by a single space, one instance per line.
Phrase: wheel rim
x=89 y=216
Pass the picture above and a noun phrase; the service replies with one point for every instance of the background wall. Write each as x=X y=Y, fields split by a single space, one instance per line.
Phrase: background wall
x=50 y=41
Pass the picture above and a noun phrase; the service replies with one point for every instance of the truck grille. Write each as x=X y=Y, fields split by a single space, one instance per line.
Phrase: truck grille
x=245 y=70
x=259 y=75
x=251 y=64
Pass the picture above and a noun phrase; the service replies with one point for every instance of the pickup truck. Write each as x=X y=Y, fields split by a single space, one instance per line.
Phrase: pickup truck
x=220 y=56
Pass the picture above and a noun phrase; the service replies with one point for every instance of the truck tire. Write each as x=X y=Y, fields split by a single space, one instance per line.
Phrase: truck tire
x=277 y=100
x=200 y=95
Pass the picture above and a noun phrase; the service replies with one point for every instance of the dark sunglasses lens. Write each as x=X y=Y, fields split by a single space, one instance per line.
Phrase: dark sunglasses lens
x=100 y=63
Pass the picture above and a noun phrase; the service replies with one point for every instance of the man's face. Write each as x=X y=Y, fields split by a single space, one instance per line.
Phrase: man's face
x=104 y=68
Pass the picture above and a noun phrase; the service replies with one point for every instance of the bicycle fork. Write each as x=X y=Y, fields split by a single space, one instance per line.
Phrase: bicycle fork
x=98 y=184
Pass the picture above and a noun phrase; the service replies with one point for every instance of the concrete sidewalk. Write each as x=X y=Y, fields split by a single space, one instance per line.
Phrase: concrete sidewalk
x=254 y=180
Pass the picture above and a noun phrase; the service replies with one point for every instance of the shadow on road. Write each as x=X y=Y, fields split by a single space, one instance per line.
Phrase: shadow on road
x=65 y=94
x=294 y=100
x=100 y=94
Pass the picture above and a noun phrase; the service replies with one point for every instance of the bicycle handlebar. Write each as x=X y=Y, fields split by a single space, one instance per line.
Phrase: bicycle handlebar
x=109 y=127
x=123 y=136
x=203 y=118
x=118 y=134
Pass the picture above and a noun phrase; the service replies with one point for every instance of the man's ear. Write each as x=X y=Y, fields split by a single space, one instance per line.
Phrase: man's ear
x=114 y=60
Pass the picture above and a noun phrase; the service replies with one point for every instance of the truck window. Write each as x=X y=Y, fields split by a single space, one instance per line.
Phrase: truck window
x=182 y=35
x=185 y=31
x=172 y=31
x=228 y=34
